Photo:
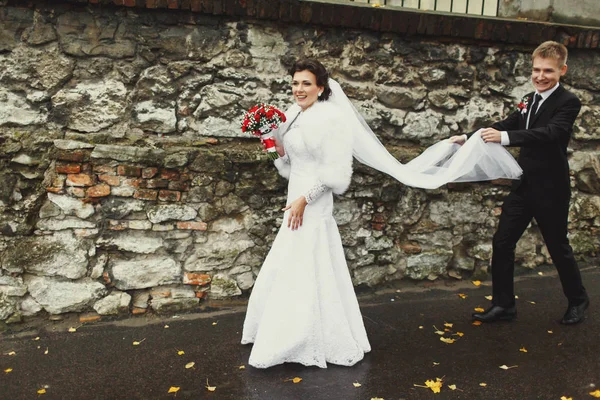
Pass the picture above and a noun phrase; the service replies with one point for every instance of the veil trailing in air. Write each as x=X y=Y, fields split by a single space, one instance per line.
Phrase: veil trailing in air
x=439 y=164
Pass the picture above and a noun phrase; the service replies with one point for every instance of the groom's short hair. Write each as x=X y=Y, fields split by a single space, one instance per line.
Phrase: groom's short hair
x=551 y=49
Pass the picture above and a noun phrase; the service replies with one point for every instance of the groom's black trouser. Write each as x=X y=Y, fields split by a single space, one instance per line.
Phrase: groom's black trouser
x=551 y=214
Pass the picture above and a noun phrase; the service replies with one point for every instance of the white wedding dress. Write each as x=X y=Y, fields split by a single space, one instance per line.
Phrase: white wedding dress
x=303 y=308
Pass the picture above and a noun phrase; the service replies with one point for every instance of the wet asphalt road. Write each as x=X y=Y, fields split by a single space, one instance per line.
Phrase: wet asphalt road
x=99 y=360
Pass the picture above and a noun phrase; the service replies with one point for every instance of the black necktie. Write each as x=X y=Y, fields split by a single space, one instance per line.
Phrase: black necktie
x=536 y=101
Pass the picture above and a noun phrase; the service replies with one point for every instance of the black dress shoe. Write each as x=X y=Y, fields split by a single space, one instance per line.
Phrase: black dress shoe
x=496 y=313
x=575 y=314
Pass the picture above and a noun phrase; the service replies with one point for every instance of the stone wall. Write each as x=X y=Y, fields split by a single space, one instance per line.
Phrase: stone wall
x=126 y=184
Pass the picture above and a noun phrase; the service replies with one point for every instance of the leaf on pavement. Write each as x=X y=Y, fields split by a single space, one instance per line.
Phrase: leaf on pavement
x=37 y=338
x=462 y=296
x=440 y=332
x=489 y=298
x=297 y=380
x=540 y=273
x=210 y=388
x=189 y=365
x=523 y=350
x=436 y=363
x=452 y=387
x=166 y=326
x=532 y=302
x=476 y=283
x=483 y=384
x=180 y=352
x=214 y=323
x=174 y=389
x=448 y=325
x=41 y=391
x=447 y=340
x=476 y=323
x=506 y=367
x=376 y=398
x=420 y=326
x=8 y=370
x=550 y=332
x=459 y=334
x=242 y=367
x=356 y=384
x=435 y=386
x=46 y=352
x=71 y=329
x=12 y=353
x=136 y=343
x=595 y=394
x=479 y=309
x=566 y=398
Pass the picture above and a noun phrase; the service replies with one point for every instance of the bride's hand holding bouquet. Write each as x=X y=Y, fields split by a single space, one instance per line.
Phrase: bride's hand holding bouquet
x=260 y=121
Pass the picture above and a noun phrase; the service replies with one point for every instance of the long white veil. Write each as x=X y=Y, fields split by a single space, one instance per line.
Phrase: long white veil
x=439 y=164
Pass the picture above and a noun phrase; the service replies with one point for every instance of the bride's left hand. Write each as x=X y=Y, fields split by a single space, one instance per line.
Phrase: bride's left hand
x=296 y=212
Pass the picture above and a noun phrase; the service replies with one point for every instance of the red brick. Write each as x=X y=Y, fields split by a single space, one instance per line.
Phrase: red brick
x=148 y=173
x=190 y=278
x=411 y=248
x=129 y=3
x=110 y=179
x=138 y=310
x=200 y=295
x=101 y=190
x=106 y=277
x=66 y=155
x=155 y=184
x=89 y=317
x=54 y=189
x=169 y=195
x=378 y=227
x=173 y=4
x=80 y=180
x=145 y=194
x=132 y=182
x=68 y=168
x=128 y=170
x=170 y=174
x=115 y=225
x=192 y=225
x=178 y=185
x=104 y=169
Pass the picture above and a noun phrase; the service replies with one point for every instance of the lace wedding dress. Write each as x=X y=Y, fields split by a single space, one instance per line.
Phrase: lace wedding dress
x=303 y=307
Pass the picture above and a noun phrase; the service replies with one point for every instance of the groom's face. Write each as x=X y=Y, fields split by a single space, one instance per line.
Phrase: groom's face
x=546 y=73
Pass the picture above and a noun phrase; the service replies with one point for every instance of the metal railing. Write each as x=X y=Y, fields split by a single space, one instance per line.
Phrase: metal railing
x=473 y=7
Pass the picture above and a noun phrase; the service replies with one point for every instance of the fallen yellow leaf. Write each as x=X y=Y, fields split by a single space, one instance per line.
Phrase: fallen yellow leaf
x=479 y=309
x=8 y=370
x=462 y=296
x=210 y=388
x=435 y=363
x=566 y=398
x=189 y=365
x=46 y=352
x=174 y=389
x=180 y=352
x=242 y=367
x=297 y=380
x=540 y=273
x=550 y=332
x=435 y=386
x=505 y=367
x=595 y=394
x=532 y=302
x=459 y=334
x=483 y=384
x=41 y=391
x=420 y=326
x=476 y=323
x=447 y=340
x=166 y=326
x=476 y=283
x=356 y=384
x=71 y=329
x=12 y=353
x=376 y=398
x=440 y=332
x=489 y=298
x=37 y=338
x=448 y=325
x=138 y=343
x=523 y=350
x=452 y=387
x=214 y=323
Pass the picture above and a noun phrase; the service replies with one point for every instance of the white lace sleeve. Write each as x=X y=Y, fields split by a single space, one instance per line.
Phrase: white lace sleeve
x=315 y=192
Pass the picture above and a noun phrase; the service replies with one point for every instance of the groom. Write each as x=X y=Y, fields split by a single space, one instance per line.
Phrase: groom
x=542 y=126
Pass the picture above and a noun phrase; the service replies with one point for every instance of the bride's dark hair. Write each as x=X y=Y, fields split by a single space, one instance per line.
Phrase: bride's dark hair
x=318 y=71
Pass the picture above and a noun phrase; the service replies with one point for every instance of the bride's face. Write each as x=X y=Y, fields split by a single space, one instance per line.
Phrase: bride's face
x=305 y=89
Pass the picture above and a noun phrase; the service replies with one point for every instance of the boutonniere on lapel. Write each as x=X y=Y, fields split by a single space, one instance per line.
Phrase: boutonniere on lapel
x=523 y=106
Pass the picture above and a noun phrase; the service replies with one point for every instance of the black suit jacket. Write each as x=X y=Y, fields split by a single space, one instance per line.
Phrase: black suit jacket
x=543 y=155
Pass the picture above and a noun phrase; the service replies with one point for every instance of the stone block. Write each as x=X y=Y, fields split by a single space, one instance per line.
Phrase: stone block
x=140 y=225
x=71 y=206
x=190 y=278
x=170 y=305
x=101 y=190
x=145 y=272
x=76 y=191
x=118 y=225
x=179 y=185
x=75 y=156
x=155 y=183
x=113 y=304
x=148 y=173
x=122 y=191
x=59 y=297
x=104 y=169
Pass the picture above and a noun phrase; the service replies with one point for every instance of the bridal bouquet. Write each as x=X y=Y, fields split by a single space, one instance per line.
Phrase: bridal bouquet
x=260 y=121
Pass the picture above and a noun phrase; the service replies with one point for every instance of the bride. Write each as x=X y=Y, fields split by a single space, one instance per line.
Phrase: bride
x=303 y=307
